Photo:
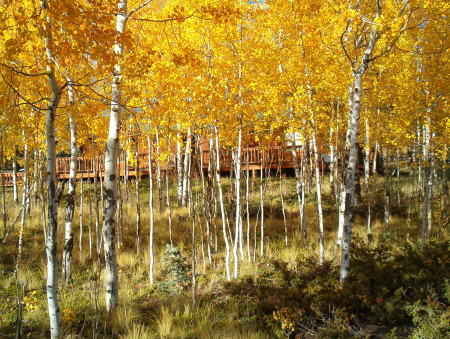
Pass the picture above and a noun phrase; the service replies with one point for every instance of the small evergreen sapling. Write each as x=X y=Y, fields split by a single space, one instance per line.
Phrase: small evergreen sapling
x=176 y=271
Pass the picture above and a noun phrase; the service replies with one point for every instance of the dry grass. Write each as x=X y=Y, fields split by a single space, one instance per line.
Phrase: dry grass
x=145 y=314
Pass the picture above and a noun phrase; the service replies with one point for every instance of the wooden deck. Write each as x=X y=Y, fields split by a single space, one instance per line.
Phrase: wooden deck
x=251 y=160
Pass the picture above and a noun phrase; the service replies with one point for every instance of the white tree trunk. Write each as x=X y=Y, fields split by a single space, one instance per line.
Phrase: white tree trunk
x=222 y=208
x=24 y=202
x=205 y=204
x=111 y=154
x=70 y=208
x=283 y=211
x=261 y=202
x=179 y=171
x=150 y=206
x=427 y=154
x=51 y=243
x=341 y=215
x=158 y=171
x=366 y=155
x=353 y=132
x=237 y=227
x=374 y=161
x=14 y=173
x=169 y=210
x=138 y=199
x=187 y=155
x=81 y=214
x=318 y=193
x=299 y=187
x=332 y=163
x=247 y=193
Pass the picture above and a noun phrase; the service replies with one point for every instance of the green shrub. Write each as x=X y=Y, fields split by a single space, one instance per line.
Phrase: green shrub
x=176 y=272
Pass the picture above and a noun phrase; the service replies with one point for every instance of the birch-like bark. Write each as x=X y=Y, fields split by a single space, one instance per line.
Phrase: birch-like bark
x=332 y=162
x=51 y=243
x=14 y=173
x=352 y=164
x=70 y=207
x=119 y=212
x=212 y=190
x=222 y=208
x=150 y=206
x=26 y=174
x=428 y=174
x=318 y=193
x=283 y=211
x=366 y=155
x=341 y=216
x=261 y=204
x=111 y=154
x=96 y=207
x=375 y=156
x=80 y=245
x=299 y=187
x=247 y=209
x=138 y=199
x=187 y=155
x=2 y=168
x=205 y=205
x=179 y=172
x=158 y=171
x=237 y=227
x=169 y=210
x=23 y=210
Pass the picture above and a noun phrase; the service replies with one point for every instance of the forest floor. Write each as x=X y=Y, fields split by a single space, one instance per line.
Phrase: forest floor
x=394 y=290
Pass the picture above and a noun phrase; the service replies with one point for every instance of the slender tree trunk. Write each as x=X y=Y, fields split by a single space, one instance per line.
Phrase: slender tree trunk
x=332 y=163
x=187 y=155
x=26 y=176
x=237 y=227
x=51 y=244
x=150 y=206
x=261 y=201
x=341 y=215
x=427 y=154
x=138 y=199
x=397 y=164
x=318 y=193
x=205 y=204
x=2 y=166
x=387 y=198
x=247 y=209
x=70 y=208
x=111 y=154
x=119 y=211
x=222 y=208
x=194 y=261
x=353 y=132
x=81 y=214
x=283 y=211
x=375 y=156
x=179 y=172
x=158 y=171
x=23 y=214
x=366 y=155
x=96 y=205
x=14 y=173
x=169 y=210
x=299 y=183
x=90 y=224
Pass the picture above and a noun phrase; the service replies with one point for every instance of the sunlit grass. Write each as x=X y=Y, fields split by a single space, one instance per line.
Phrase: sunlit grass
x=146 y=313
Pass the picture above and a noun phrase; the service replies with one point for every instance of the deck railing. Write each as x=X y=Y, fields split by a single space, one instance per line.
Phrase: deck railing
x=251 y=159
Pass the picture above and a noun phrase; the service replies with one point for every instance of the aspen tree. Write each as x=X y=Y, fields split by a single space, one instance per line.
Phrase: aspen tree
x=70 y=207
x=112 y=149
